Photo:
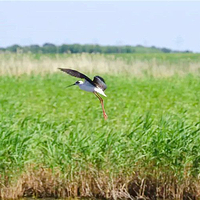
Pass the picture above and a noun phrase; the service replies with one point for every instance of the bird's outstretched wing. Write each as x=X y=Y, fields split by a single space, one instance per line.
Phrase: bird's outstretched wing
x=99 y=82
x=76 y=74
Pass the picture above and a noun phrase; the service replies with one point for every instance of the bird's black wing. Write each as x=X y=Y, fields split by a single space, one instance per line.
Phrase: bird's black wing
x=99 y=82
x=76 y=74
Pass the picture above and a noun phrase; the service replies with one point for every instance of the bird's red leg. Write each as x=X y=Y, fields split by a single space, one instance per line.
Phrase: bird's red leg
x=102 y=105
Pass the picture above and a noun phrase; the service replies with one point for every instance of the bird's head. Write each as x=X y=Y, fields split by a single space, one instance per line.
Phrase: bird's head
x=77 y=83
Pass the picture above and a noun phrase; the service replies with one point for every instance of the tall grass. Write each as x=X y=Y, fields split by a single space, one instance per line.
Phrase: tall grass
x=156 y=65
x=55 y=142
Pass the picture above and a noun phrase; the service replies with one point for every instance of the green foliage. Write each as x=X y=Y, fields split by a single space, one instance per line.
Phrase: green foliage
x=86 y=48
x=153 y=125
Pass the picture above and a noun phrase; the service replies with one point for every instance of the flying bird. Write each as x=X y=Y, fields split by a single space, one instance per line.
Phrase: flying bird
x=96 y=86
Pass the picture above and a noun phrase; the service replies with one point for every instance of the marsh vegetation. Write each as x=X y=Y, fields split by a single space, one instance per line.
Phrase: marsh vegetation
x=54 y=141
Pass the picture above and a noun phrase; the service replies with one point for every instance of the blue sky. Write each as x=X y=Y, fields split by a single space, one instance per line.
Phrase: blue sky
x=174 y=25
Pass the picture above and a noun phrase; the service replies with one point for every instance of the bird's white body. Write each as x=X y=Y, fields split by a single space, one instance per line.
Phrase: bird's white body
x=90 y=88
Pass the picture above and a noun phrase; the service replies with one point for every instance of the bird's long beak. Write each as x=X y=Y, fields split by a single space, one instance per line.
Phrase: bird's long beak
x=71 y=85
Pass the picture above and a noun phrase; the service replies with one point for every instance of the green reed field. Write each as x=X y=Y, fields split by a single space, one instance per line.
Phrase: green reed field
x=55 y=142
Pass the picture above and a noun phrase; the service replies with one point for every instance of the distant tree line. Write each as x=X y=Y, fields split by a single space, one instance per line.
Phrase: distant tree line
x=87 y=48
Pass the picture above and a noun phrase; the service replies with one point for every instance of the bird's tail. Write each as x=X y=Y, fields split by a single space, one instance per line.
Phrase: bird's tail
x=100 y=91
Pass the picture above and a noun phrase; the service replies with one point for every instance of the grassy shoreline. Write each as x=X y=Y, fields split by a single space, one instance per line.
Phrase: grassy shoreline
x=55 y=142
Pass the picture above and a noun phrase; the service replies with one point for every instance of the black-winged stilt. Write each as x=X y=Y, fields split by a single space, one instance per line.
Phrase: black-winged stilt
x=96 y=86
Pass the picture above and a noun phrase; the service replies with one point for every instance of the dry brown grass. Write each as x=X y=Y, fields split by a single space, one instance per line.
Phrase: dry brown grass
x=43 y=182
x=17 y=64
